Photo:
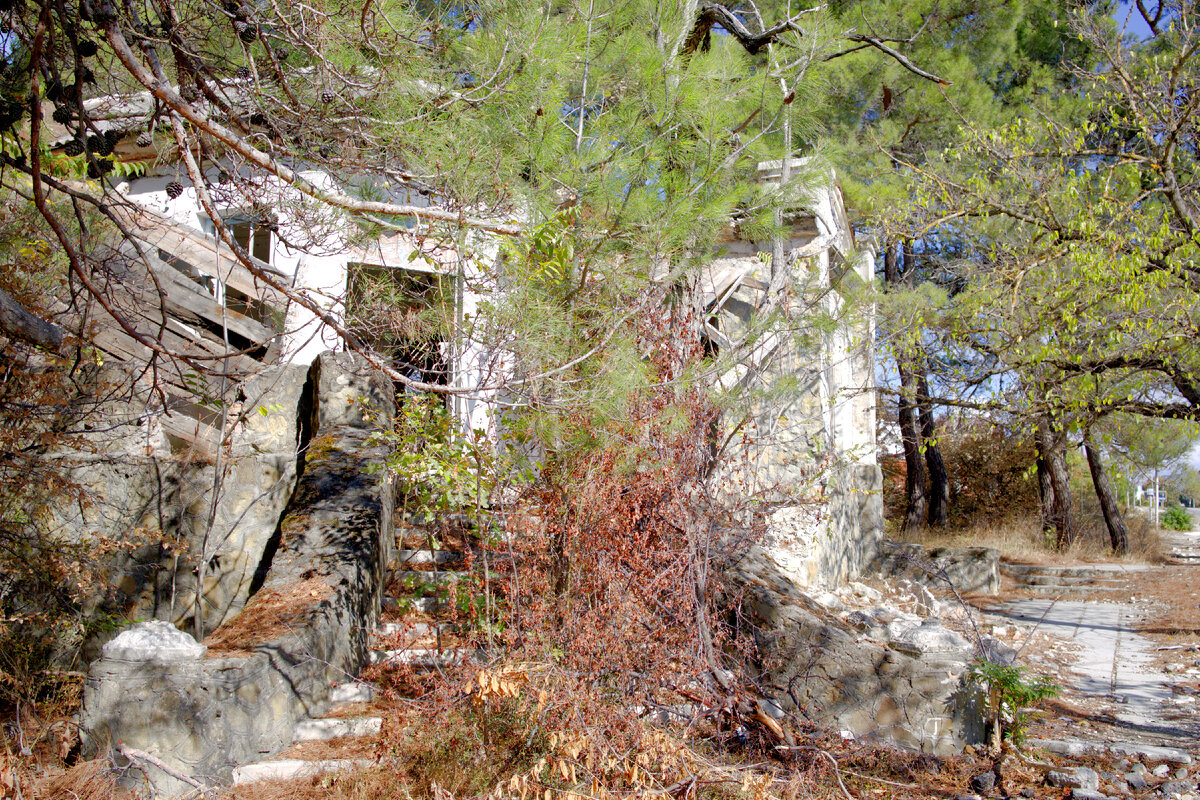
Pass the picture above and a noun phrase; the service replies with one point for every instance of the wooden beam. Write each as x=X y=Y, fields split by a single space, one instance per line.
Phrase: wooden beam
x=202 y=252
x=204 y=439
x=186 y=299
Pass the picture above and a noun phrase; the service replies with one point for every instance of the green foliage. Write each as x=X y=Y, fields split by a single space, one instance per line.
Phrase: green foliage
x=440 y=467
x=1072 y=265
x=1010 y=693
x=1176 y=518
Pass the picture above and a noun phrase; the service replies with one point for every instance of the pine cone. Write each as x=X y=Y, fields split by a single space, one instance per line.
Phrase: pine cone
x=328 y=97
x=145 y=139
x=258 y=118
x=86 y=48
x=54 y=91
x=246 y=32
x=105 y=164
x=62 y=115
x=93 y=171
x=174 y=189
x=99 y=145
x=73 y=148
x=113 y=136
x=282 y=53
x=222 y=177
x=243 y=72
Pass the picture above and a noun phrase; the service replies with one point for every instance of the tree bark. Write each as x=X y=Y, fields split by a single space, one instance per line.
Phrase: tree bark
x=1045 y=494
x=939 y=481
x=915 y=479
x=914 y=465
x=1050 y=451
x=1118 y=535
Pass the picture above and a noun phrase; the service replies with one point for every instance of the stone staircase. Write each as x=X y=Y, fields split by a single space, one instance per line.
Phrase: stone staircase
x=1181 y=548
x=1072 y=579
x=415 y=630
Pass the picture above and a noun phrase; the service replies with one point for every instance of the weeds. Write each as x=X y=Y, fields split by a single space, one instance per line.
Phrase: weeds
x=1009 y=695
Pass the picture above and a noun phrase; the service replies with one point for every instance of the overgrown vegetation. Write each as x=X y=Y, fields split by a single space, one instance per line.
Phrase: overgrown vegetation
x=1176 y=518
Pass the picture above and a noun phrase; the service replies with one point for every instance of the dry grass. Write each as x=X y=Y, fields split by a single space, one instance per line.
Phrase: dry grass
x=88 y=780
x=1022 y=539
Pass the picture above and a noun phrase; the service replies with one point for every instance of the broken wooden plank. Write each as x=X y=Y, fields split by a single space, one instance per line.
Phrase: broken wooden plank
x=186 y=299
x=205 y=253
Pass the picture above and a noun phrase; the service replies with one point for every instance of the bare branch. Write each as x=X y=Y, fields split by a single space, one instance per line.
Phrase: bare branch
x=900 y=58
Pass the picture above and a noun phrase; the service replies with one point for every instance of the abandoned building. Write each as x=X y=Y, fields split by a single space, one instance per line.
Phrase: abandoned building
x=222 y=464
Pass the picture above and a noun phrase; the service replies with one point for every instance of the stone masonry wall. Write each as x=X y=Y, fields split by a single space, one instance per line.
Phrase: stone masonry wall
x=970 y=570
x=204 y=709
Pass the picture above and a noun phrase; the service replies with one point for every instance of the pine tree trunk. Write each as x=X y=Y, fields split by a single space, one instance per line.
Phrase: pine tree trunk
x=914 y=465
x=906 y=416
x=939 y=481
x=1118 y=535
x=1050 y=453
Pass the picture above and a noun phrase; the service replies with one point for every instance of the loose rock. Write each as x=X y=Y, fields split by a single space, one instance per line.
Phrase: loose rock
x=1077 y=777
x=984 y=782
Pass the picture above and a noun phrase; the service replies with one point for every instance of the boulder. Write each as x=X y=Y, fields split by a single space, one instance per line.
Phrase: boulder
x=914 y=691
x=1076 y=777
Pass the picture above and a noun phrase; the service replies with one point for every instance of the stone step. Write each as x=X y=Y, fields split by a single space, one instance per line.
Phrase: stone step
x=322 y=730
x=352 y=692
x=1065 y=580
x=415 y=630
x=422 y=658
x=1078 y=748
x=1072 y=570
x=288 y=768
x=424 y=558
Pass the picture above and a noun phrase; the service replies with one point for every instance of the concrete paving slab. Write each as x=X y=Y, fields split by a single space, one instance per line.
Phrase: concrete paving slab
x=1114 y=661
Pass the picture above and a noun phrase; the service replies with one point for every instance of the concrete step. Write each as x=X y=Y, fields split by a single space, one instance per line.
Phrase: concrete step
x=1065 y=580
x=414 y=630
x=421 y=605
x=1080 y=589
x=288 y=768
x=322 y=730
x=424 y=558
x=427 y=582
x=1070 y=570
x=352 y=692
x=422 y=658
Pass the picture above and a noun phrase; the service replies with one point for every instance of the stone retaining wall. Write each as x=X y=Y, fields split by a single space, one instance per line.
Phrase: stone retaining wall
x=204 y=709
x=971 y=570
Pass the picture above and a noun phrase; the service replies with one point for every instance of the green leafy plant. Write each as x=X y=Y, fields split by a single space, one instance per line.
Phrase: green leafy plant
x=1009 y=695
x=440 y=467
x=1176 y=518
